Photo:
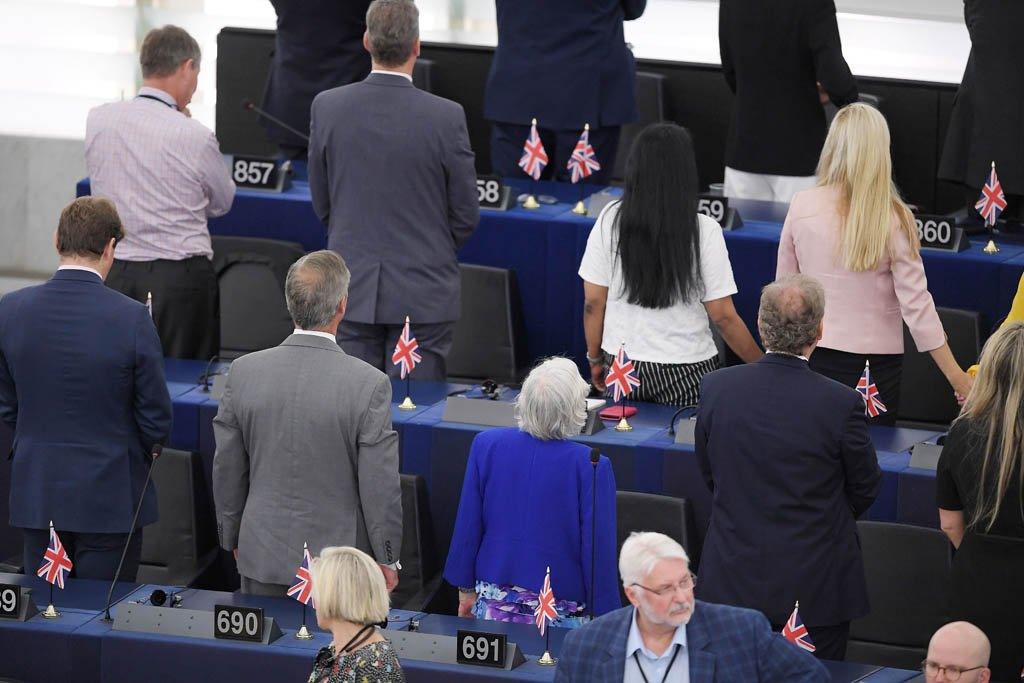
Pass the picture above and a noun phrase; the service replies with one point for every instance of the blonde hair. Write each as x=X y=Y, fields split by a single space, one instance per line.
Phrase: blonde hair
x=856 y=160
x=349 y=586
x=996 y=406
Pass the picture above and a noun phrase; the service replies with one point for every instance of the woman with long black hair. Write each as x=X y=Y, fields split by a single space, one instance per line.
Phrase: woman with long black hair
x=655 y=272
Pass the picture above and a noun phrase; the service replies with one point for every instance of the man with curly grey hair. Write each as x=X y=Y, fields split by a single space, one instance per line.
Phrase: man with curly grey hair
x=787 y=454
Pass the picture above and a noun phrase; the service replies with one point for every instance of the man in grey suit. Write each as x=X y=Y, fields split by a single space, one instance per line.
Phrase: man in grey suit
x=305 y=448
x=392 y=176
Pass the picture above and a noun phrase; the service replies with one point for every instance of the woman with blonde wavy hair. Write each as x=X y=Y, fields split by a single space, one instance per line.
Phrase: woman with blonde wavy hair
x=855 y=235
x=979 y=491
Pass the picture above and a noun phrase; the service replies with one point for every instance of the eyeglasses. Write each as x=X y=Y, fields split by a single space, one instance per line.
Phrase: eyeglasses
x=931 y=670
x=686 y=584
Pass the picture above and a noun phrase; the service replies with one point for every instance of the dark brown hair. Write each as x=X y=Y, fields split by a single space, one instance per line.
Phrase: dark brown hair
x=86 y=226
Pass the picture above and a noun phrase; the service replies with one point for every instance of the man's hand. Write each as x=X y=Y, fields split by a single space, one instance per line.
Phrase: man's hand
x=235 y=553
x=390 y=577
x=186 y=112
x=822 y=95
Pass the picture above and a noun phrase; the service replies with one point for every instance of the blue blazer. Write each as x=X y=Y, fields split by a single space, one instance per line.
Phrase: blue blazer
x=82 y=385
x=725 y=645
x=526 y=506
x=787 y=455
x=564 y=62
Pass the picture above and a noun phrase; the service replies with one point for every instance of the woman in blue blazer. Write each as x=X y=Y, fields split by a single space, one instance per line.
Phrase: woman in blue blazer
x=526 y=506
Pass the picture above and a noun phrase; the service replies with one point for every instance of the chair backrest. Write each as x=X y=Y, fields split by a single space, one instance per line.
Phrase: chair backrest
x=908 y=571
x=250 y=273
x=419 y=553
x=423 y=74
x=487 y=336
x=650 y=103
x=925 y=395
x=184 y=533
x=651 y=512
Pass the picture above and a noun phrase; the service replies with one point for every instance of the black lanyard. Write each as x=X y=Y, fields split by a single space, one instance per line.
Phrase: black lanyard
x=157 y=99
x=675 y=653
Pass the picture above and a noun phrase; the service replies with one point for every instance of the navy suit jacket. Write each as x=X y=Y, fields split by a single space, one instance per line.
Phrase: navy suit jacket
x=788 y=457
x=564 y=62
x=724 y=644
x=82 y=385
x=393 y=178
x=318 y=46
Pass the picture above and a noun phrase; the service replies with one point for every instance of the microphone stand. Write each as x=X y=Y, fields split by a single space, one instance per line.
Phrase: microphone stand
x=249 y=106
x=157 y=450
x=595 y=458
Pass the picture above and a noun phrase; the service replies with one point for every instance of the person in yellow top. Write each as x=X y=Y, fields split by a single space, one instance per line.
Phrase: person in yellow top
x=1016 y=314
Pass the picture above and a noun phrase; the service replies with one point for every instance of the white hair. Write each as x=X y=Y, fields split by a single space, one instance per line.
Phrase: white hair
x=644 y=549
x=349 y=586
x=553 y=402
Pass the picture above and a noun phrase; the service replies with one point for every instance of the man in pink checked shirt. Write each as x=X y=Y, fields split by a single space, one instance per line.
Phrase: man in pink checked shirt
x=166 y=176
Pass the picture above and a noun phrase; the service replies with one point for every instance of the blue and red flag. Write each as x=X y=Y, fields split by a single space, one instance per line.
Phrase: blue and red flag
x=302 y=589
x=406 y=351
x=992 y=201
x=873 y=406
x=534 y=157
x=56 y=562
x=583 y=161
x=622 y=375
x=795 y=632
x=545 y=611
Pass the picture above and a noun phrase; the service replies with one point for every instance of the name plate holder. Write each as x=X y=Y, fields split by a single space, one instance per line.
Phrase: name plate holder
x=685 y=429
x=441 y=649
x=717 y=208
x=483 y=411
x=16 y=602
x=175 y=621
x=940 y=233
x=925 y=456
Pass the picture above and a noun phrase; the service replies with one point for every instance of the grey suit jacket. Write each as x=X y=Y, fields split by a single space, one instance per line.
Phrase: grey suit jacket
x=393 y=178
x=305 y=452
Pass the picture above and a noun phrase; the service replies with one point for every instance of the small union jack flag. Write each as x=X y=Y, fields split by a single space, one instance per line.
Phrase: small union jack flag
x=795 y=632
x=545 y=611
x=406 y=351
x=992 y=200
x=302 y=590
x=873 y=406
x=56 y=562
x=534 y=157
x=622 y=375
x=583 y=161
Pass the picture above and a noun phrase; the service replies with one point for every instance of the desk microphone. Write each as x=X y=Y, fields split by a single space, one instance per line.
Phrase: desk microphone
x=675 y=418
x=249 y=105
x=155 y=453
x=204 y=378
x=595 y=458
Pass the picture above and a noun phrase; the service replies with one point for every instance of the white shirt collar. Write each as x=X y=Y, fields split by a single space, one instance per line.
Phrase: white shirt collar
x=85 y=268
x=636 y=642
x=392 y=73
x=159 y=94
x=315 y=333
x=791 y=355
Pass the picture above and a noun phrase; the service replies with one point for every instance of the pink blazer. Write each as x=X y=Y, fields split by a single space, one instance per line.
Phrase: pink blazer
x=864 y=312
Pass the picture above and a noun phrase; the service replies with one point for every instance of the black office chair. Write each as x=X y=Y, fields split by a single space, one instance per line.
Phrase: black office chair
x=926 y=399
x=250 y=273
x=907 y=570
x=651 y=512
x=650 y=103
x=421 y=572
x=181 y=546
x=423 y=74
x=488 y=335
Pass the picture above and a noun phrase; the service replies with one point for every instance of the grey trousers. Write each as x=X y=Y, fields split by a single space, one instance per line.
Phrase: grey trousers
x=375 y=343
x=254 y=587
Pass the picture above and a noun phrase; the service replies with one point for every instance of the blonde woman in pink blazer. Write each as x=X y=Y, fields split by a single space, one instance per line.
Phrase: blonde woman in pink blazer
x=856 y=236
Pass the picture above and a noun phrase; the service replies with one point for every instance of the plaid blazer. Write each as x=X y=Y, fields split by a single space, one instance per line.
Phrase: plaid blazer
x=725 y=644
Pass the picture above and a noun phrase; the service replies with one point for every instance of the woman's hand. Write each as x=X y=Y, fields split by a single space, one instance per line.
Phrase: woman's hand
x=962 y=387
x=597 y=376
x=466 y=602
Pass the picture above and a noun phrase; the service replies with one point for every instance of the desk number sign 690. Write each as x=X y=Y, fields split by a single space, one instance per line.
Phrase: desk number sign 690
x=233 y=622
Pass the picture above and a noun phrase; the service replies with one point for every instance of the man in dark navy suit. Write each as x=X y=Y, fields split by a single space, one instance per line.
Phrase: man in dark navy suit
x=788 y=458
x=318 y=46
x=566 y=64
x=82 y=385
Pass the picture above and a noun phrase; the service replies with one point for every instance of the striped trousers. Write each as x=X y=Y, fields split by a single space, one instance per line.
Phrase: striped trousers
x=668 y=383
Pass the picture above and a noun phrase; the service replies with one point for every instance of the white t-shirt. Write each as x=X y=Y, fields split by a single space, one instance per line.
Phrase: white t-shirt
x=677 y=334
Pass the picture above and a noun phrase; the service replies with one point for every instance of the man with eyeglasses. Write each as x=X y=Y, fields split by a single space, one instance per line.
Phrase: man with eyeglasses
x=82 y=386
x=667 y=636
x=958 y=652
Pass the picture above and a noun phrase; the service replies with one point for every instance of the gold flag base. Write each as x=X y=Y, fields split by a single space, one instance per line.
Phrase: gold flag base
x=50 y=612
x=623 y=426
x=303 y=633
x=407 y=404
x=580 y=209
x=531 y=202
x=547 y=660
x=991 y=248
